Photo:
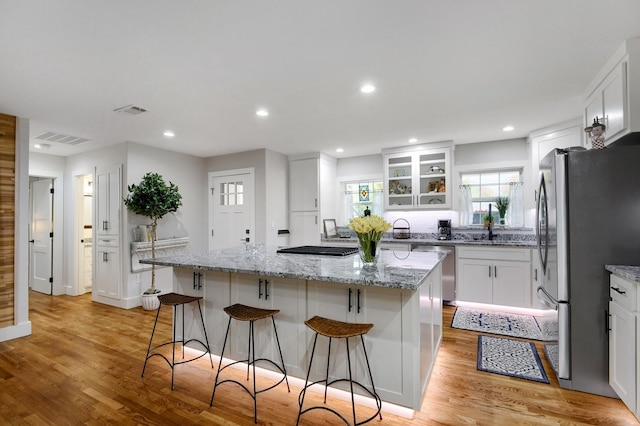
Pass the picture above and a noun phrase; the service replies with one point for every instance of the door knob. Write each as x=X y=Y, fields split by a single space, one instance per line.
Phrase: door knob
x=32 y=241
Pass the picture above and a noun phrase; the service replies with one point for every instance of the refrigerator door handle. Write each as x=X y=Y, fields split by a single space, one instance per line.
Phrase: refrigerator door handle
x=546 y=298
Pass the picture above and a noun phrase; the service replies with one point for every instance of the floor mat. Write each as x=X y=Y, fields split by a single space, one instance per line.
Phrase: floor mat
x=510 y=357
x=506 y=324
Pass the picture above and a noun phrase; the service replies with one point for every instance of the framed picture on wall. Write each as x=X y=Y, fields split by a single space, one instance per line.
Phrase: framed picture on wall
x=330 y=228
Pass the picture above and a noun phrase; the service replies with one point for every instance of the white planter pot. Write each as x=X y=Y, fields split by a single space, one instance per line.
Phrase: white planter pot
x=150 y=302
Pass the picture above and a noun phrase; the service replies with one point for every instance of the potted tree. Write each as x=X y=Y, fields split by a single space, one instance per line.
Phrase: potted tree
x=502 y=204
x=152 y=198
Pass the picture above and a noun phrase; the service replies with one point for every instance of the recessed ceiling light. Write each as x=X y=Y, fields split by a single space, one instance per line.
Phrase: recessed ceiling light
x=42 y=146
x=262 y=112
x=413 y=140
x=368 y=88
x=169 y=134
x=339 y=150
x=507 y=128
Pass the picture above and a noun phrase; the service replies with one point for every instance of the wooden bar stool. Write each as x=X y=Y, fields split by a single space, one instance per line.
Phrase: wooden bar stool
x=338 y=330
x=247 y=313
x=175 y=300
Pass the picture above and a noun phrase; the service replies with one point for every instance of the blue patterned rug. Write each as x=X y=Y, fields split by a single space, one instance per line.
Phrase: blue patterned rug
x=506 y=324
x=510 y=357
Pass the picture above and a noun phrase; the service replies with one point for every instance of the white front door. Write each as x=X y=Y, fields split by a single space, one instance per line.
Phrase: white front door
x=231 y=218
x=40 y=272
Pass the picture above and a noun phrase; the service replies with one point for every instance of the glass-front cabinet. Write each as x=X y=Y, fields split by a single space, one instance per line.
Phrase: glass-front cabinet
x=417 y=179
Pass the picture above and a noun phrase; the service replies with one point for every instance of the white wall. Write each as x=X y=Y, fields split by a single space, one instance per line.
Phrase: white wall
x=276 y=200
x=269 y=182
x=188 y=173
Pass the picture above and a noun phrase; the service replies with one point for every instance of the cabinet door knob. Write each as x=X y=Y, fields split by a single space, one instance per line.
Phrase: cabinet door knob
x=617 y=289
x=349 y=300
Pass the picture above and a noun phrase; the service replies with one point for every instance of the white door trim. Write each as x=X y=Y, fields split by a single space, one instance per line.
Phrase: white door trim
x=59 y=287
x=75 y=287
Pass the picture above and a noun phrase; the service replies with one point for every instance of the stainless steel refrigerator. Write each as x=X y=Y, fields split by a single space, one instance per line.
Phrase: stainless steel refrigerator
x=588 y=215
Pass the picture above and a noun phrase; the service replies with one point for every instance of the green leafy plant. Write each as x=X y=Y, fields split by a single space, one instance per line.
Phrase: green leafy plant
x=502 y=204
x=153 y=198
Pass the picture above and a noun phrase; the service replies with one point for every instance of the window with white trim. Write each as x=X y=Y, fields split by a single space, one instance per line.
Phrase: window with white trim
x=360 y=195
x=479 y=190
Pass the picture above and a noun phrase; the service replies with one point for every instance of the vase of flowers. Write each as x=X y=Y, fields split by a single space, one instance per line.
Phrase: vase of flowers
x=502 y=203
x=369 y=230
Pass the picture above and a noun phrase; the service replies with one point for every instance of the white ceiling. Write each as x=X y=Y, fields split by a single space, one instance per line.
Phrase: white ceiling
x=445 y=70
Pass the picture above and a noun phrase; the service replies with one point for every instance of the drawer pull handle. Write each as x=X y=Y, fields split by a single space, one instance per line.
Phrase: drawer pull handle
x=618 y=290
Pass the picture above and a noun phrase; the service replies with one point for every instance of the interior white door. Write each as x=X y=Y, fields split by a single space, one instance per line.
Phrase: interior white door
x=40 y=262
x=232 y=209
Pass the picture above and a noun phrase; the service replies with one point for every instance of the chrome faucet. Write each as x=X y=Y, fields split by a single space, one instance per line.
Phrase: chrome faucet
x=489 y=227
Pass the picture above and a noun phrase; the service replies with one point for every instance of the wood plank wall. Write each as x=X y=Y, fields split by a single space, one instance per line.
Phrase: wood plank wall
x=7 y=217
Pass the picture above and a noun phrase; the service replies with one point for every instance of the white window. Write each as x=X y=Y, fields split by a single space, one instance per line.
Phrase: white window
x=361 y=195
x=479 y=190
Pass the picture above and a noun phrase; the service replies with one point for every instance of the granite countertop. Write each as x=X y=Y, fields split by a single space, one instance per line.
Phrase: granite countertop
x=627 y=272
x=470 y=241
x=395 y=269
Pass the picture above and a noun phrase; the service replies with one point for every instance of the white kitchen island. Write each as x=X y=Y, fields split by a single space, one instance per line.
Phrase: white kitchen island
x=401 y=296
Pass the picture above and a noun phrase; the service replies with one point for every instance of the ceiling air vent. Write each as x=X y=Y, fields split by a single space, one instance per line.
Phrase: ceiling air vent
x=60 y=138
x=130 y=109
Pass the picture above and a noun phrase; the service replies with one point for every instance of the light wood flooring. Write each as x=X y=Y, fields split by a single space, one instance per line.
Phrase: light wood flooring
x=82 y=365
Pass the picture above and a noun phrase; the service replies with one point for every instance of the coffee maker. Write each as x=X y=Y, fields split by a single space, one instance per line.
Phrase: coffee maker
x=444 y=229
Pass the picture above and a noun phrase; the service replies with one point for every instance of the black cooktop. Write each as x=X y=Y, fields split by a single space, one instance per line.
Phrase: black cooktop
x=320 y=250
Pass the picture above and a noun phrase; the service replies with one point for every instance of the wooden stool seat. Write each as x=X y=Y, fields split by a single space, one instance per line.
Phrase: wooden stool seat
x=174 y=300
x=338 y=329
x=334 y=329
x=249 y=313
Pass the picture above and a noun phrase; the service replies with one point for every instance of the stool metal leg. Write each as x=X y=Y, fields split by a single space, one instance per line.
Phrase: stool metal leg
x=375 y=394
x=224 y=345
x=306 y=382
x=206 y=339
x=284 y=368
x=353 y=401
x=253 y=363
x=326 y=382
x=151 y=341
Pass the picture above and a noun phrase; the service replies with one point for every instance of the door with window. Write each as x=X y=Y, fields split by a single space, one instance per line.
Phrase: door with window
x=232 y=205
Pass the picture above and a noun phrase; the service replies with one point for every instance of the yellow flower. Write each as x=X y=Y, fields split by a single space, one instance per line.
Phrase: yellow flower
x=367 y=224
x=369 y=230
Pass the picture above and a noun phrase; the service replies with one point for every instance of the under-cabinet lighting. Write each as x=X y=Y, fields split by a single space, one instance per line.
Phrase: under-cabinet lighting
x=413 y=140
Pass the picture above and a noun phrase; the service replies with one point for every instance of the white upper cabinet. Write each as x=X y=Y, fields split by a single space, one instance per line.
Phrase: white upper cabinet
x=614 y=94
x=418 y=177
x=543 y=141
x=312 y=179
x=108 y=201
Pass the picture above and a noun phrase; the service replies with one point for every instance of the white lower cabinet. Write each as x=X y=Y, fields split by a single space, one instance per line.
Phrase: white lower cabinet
x=108 y=275
x=623 y=342
x=499 y=276
x=379 y=306
x=286 y=295
x=214 y=289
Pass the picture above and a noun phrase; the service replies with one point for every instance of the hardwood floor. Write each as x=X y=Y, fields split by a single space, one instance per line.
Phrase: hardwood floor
x=82 y=365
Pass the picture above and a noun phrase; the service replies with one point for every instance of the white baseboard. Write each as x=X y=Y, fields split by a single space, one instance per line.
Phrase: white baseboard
x=15 y=331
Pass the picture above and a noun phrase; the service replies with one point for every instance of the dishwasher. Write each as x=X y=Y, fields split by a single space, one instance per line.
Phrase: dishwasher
x=448 y=269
